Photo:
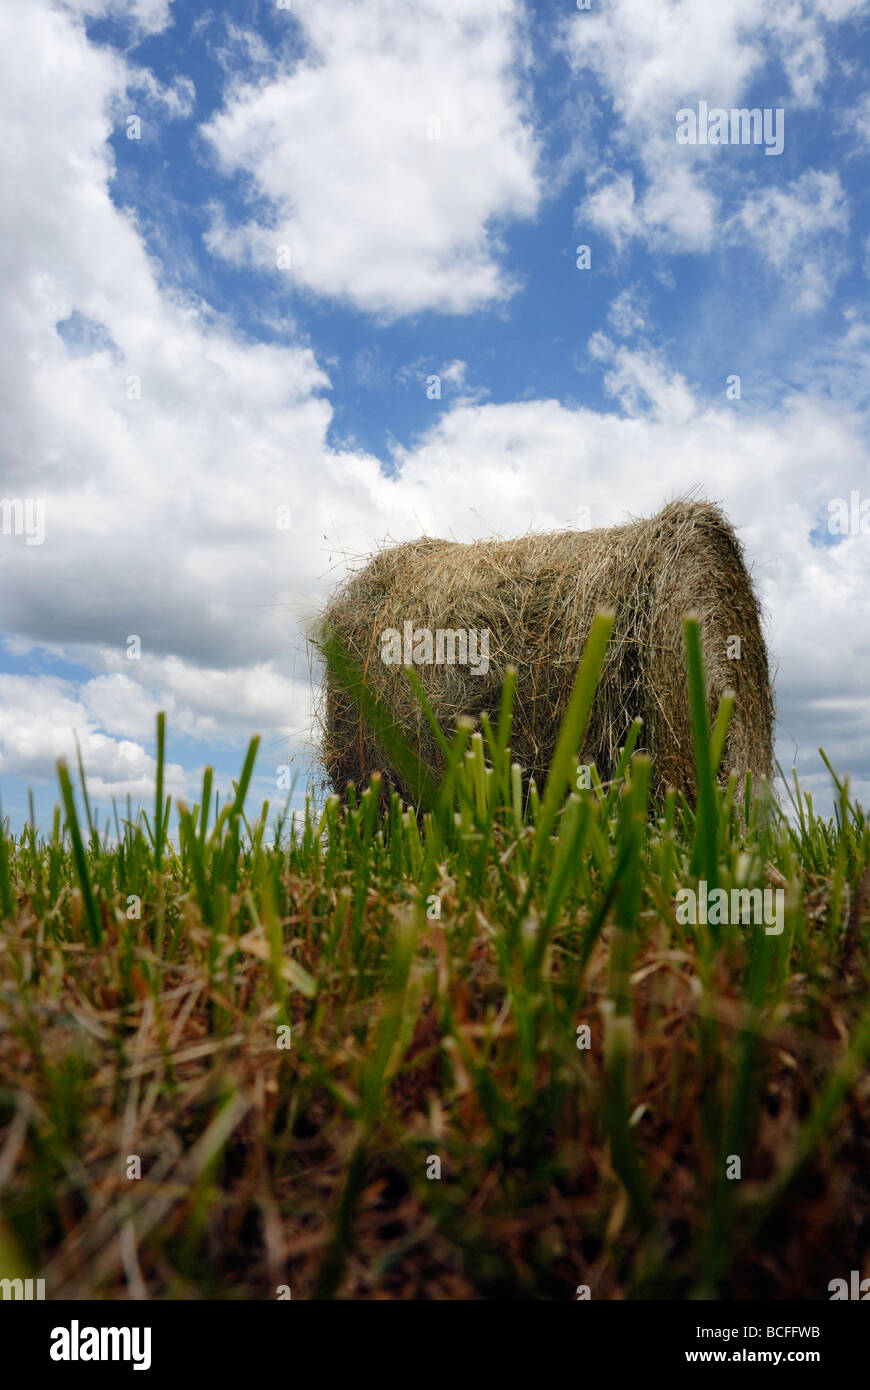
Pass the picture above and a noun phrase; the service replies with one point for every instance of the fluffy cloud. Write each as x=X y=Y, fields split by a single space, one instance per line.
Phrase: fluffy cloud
x=860 y=120
x=651 y=61
x=177 y=97
x=214 y=706
x=387 y=156
x=149 y=16
x=796 y=230
x=112 y=716
x=43 y=720
x=627 y=313
x=182 y=469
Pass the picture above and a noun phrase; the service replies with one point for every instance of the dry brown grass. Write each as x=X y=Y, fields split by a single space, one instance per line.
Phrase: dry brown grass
x=245 y=1150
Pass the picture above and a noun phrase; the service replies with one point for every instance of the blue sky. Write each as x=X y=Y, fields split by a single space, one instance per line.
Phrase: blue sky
x=167 y=386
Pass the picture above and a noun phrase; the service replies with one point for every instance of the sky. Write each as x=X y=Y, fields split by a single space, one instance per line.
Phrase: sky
x=288 y=280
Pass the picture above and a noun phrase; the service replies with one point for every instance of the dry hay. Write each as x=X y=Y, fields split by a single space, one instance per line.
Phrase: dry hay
x=536 y=597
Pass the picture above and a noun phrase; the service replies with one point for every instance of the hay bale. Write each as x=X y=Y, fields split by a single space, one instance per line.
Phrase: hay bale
x=535 y=598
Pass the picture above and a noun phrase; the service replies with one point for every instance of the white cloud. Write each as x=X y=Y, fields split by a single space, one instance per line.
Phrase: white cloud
x=860 y=120
x=118 y=703
x=114 y=716
x=177 y=97
x=372 y=210
x=455 y=376
x=150 y=16
x=454 y=372
x=42 y=719
x=792 y=228
x=213 y=706
x=450 y=378
x=627 y=313
x=236 y=47
x=654 y=59
x=610 y=207
x=162 y=512
x=642 y=382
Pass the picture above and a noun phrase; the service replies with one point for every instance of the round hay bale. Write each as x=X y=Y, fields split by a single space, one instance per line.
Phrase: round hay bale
x=535 y=597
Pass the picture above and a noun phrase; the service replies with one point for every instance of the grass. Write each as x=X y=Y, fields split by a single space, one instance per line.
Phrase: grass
x=348 y=1048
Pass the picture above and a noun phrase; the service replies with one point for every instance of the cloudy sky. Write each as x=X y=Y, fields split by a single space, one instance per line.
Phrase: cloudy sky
x=241 y=242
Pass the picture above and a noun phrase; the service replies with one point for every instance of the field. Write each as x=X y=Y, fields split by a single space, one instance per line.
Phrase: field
x=466 y=1050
